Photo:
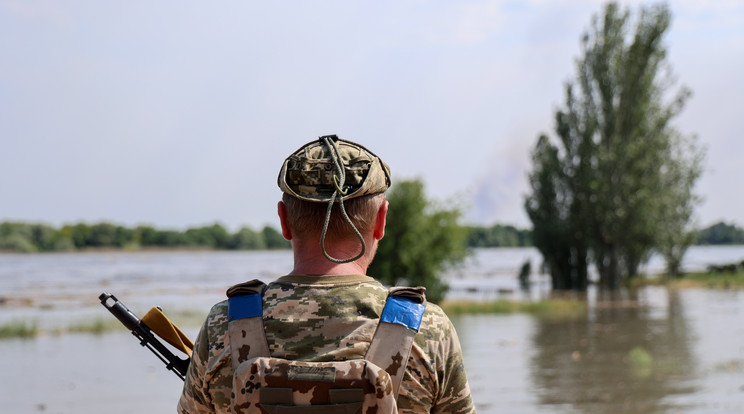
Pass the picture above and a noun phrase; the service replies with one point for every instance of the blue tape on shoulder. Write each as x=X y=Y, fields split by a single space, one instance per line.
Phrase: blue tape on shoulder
x=403 y=311
x=245 y=306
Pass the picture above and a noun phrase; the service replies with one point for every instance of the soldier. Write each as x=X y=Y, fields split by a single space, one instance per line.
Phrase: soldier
x=317 y=323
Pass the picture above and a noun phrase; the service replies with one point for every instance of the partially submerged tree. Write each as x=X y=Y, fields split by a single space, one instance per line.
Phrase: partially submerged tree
x=555 y=233
x=618 y=182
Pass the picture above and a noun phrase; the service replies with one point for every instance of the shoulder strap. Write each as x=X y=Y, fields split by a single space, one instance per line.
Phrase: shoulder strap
x=245 y=322
x=393 y=339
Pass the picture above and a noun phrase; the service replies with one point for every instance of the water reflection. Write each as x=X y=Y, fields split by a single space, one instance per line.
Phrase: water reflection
x=624 y=356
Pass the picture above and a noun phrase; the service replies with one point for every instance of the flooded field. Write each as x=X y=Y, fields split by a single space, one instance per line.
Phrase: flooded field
x=660 y=352
x=652 y=351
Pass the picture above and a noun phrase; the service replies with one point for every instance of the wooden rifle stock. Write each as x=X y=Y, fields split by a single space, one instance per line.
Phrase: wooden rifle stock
x=140 y=330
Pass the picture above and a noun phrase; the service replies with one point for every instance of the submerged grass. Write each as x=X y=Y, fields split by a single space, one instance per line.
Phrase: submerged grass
x=548 y=308
x=710 y=280
x=187 y=318
x=18 y=329
x=183 y=318
x=96 y=326
x=714 y=280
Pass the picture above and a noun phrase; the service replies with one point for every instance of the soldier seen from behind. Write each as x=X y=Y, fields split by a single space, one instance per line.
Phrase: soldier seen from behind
x=327 y=338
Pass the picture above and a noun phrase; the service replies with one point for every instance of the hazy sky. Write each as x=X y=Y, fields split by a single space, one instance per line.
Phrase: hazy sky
x=179 y=113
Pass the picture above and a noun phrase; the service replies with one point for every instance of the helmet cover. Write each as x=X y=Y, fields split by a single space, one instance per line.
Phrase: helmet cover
x=310 y=173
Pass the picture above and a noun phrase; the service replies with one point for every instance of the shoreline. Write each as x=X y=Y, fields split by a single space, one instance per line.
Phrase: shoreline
x=148 y=249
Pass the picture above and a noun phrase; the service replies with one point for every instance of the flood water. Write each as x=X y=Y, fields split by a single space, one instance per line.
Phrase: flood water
x=651 y=351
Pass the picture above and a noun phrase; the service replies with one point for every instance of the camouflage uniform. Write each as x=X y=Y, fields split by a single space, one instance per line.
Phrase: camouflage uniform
x=331 y=318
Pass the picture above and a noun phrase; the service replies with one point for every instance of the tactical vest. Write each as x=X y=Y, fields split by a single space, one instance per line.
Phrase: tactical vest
x=262 y=384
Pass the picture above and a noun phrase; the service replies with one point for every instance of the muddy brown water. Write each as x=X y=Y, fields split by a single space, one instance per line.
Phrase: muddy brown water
x=652 y=351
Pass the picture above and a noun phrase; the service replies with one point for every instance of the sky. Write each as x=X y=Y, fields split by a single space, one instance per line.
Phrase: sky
x=180 y=113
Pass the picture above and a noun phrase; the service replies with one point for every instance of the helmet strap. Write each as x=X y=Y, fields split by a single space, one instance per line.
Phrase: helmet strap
x=339 y=192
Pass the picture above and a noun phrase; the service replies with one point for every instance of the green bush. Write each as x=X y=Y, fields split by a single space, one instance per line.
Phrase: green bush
x=422 y=239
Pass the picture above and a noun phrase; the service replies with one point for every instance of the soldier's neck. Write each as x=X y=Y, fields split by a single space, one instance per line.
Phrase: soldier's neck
x=309 y=260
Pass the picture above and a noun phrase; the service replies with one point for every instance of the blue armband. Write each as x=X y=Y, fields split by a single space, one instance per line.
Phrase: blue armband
x=245 y=306
x=403 y=311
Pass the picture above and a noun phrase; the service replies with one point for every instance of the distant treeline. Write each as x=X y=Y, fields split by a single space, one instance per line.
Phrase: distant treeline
x=29 y=237
x=498 y=236
x=510 y=236
x=721 y=233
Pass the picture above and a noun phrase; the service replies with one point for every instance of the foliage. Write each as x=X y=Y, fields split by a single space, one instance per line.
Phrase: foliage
x=617 y=183
x=674 y=235
x=274 y=239
x=421 y=240
x=215 y=236
x=721 y=233
x=24 y=237
x=30 y=238
x=497 y=236
x=247 y=238
x=564 y=251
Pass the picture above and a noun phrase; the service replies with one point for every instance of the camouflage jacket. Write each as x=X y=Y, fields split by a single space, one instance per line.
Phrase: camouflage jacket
x=331 y=318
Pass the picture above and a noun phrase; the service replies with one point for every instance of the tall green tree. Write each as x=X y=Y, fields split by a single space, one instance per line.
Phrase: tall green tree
x=421 y=240
x=617 y=182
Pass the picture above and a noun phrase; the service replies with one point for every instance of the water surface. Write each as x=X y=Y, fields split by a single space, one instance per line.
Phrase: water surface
x=650 y=351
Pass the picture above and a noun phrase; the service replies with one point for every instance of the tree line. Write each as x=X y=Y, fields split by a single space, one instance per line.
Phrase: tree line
x=721 y=233
x=38 y=237
x=34 y=237
x=500 y=235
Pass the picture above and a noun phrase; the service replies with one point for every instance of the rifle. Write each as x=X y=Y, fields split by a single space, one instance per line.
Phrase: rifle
x=143 y=332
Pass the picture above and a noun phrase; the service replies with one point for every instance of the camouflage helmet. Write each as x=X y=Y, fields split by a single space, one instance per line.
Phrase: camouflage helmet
x=312 y=174
x=332 y=170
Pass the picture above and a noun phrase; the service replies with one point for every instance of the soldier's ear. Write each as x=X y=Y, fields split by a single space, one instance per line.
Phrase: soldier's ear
x=380 y=220
x=284 y=220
